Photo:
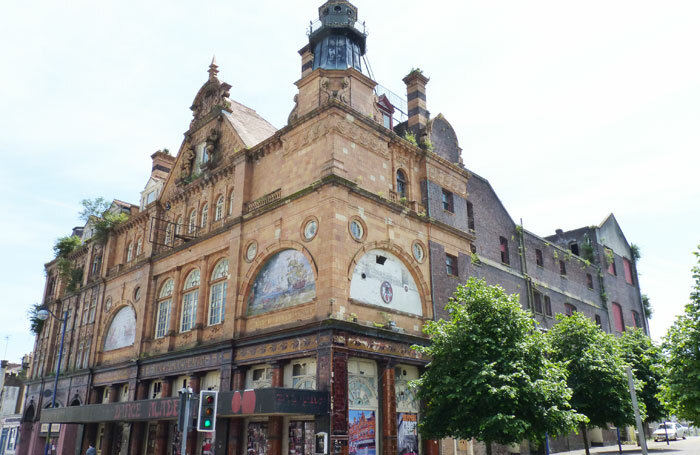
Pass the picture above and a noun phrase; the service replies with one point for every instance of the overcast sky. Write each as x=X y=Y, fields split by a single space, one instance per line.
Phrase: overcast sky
x=571 y=109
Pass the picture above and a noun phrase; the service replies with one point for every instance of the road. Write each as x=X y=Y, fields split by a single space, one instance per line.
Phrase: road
x=690 y=446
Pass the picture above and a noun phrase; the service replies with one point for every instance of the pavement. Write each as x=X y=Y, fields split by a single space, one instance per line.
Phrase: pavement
x=689 y=446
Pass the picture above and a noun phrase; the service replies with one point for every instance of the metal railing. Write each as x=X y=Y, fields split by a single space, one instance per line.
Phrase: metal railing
x=400 y=104
x=314 y=26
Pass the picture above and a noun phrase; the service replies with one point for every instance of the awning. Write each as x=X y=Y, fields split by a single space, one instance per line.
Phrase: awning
x=271 y=401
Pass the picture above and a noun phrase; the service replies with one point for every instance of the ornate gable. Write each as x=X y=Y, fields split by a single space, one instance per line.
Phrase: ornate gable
x=213 y=96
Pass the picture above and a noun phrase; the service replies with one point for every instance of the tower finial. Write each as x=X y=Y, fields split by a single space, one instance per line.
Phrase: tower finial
x=213 y=69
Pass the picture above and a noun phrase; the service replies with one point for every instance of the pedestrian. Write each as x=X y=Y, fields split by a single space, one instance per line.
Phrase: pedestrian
x=91 y=450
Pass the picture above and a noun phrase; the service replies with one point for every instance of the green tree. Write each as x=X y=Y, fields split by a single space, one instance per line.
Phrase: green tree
x=647 y=362
x=490 y=377
x=66 y=245
x=596 y=372
x=681 y=388
x=648 y=310
x=95 y=207
x=105 y=224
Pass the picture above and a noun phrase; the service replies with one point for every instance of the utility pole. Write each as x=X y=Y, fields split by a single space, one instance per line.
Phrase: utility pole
x=637 y=417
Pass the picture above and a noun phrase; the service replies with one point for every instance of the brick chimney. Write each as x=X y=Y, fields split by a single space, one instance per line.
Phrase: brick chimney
x=307 y=60
x=415 y=95
x=163 y=162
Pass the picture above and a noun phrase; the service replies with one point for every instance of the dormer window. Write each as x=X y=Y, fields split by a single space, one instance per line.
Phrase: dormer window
x=150 y=197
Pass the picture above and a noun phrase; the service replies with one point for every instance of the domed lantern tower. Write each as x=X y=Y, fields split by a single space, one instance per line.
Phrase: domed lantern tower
x=339 y=42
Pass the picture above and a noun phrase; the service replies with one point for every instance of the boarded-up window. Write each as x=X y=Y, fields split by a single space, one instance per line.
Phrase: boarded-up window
x=617 y=315
x=628 y=270
x=505 y=256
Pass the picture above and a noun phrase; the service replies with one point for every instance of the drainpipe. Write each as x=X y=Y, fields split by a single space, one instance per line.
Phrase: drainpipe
x=523 y=265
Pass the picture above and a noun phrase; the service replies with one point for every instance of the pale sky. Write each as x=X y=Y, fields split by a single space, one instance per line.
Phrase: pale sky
x=571 y=109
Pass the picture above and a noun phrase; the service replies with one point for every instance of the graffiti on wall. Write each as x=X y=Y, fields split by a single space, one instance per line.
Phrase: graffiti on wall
x=286 y=280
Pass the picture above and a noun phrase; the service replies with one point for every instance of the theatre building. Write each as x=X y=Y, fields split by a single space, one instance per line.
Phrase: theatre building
x=291 y=270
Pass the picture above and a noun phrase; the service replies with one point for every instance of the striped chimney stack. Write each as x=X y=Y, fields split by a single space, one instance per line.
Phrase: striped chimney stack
x=418 y=115
x=307 y=60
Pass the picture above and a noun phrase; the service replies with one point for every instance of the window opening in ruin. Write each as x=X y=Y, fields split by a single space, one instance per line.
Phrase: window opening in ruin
x=539 y=258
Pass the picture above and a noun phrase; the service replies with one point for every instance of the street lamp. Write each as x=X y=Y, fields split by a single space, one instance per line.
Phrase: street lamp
x=44 y=314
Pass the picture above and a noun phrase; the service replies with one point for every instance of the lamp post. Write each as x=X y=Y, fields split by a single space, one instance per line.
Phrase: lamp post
x=44 y=314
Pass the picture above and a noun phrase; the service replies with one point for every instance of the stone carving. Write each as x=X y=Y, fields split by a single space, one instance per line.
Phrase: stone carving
x=213 y=94
x=212 y=146
x=188 y=157
x=294 y=114
x=335 y=89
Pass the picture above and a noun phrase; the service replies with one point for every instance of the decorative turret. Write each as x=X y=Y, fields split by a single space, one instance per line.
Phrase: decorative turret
x=337 y=40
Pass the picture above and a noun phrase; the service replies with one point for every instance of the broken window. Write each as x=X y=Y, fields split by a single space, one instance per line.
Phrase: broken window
x=562 y=267
x=610 y=259
x=470 y=215
x=451 y=265
x=448 y=201
x=598 y=321
x=589 y=280
x=505 y=257
x=569 y=309
x=539 y=258
x=574 y=248
x=401 y=186
x=538 y=302
x=547 y=306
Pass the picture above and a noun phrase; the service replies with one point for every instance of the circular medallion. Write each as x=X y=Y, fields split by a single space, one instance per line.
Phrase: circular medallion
x=356 y=230
x=418 y=252
x=310 y=229
x=387 y=292
x=251 y=251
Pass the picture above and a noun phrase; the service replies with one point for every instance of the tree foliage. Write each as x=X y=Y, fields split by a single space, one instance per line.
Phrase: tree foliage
x=647 y=362
x=95 y=207
x=681 y=388
x=648 y=310
x=104 y=225
x=490 y=377
x=35 y=324
x=66 y=245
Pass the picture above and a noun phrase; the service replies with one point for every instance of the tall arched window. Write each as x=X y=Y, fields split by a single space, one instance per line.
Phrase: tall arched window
x=130 y=252
x=618 y=318
x=139 y=246
x=169 y=233
x=192 y=224
x=178 y=225
x=217 y=295
x=189 y=301
x=219 y=209
x=205 y=214
x=230 y=203
x=165 y=299
x=401 y=187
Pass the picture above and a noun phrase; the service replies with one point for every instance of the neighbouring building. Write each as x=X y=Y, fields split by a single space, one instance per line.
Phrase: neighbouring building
x=12 y=376
x=292 y=270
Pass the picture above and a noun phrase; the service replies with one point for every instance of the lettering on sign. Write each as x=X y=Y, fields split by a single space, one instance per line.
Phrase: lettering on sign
x=185 y=364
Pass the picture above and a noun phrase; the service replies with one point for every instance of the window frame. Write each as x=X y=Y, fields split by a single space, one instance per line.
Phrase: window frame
x=448 y=203
x=218 y=284
x=189 y=301
x=562 y=267
x=570 y=309
x=537 y=302
x=401 y=184
x=627 y=267
x=164 y=305
x=539 y=258
x=451 y=265
x=192 y=221
x=548 y=306
x=205 y=216
x=505 y=253
x=618 y=317
x=219 y=212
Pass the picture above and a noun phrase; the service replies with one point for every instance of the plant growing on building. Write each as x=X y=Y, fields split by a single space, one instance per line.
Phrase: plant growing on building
x=35 y=324
x=106 y=224
x=634 y=252
x=681 y=386
x=587 y=249
x=476 y=260
x=609 y=257
x=410 y=137
x=427 y=144
x=64 y=246
x=596 y=372
x=490 y=377
x=646 y=303
x=93 y=208
x=647 y=361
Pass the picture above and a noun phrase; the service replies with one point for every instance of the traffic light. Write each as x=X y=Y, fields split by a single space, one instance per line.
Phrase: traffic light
x=206 y=418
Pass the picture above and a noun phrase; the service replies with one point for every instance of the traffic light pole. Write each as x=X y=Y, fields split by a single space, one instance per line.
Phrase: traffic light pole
x=183 y=447
x=184 y=417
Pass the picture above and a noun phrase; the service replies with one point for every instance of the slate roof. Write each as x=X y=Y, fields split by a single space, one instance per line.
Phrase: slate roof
x=251 y=128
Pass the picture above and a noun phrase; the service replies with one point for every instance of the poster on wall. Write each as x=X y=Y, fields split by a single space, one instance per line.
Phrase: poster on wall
x=361 y=437
x=301 y=438
x=257 y=438
x=408 y=433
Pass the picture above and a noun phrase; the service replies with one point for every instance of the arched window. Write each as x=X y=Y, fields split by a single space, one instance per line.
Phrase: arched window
x=189 y=301
x=401 y=187
x=121 y=332
x=618 y=318
x=230 y=203
x=205 y=214
x=192 y=224
x=178 y=225
x=217 y=295
x=165 y=299
x=139 y=246
x=219 y=209
x=169 y=233
x=130 y=252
